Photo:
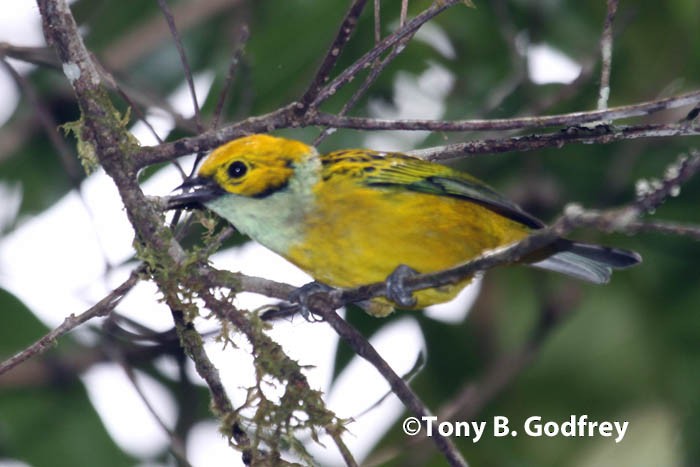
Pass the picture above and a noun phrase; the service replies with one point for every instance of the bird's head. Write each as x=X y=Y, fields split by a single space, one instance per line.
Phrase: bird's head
x=254 y=166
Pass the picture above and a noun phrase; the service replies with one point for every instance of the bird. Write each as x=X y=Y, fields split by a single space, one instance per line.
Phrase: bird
x=358 y=216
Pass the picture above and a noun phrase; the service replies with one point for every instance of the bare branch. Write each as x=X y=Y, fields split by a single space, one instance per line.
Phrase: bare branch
x=163 y=4
x=143 y=38
x=375 y=70
x=404 y=13
x=285 y=117
x=409 y=28
x=518 y=123
x=606 y=40
x=471 y=399
x=48 y=123
x=599 y=135
x=377 y=22
x=231 y=74
x=176 y=443
x=364 y=349
x=280 y=118
x=668 y=228
x=46 y=57
x=101 y=308
x=347 y=27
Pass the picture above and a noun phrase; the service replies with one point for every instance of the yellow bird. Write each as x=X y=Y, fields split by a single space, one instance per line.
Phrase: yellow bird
x=357 y=216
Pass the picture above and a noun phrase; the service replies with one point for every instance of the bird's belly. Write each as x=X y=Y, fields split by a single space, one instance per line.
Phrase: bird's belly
x=362 y=240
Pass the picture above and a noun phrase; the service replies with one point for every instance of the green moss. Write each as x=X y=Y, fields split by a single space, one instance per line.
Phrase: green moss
x=86 y=150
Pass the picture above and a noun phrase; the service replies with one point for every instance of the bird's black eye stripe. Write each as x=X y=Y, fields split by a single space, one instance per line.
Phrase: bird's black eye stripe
x=237 y=169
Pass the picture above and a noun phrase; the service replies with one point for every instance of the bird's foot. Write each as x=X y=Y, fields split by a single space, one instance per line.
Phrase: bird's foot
x=302 y=297
x=396 y=290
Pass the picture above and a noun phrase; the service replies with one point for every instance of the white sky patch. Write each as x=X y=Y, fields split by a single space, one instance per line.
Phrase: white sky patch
x=422 y=96
x=456 y=310
x=549 y=65
x=11 y=196
x=255 y=260
x=13 y=463
x=161 y=122
x=360 y=386
x=207 y=447
x=57 y=250
x=310 y=344
x=437 y=38
x=124 y=413
x=10 y=96
x=142 y=304
x=20 y=24
x=181 y=101
x=71 y=266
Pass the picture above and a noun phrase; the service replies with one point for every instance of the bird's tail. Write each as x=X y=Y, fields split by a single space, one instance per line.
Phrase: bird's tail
x=591 y=263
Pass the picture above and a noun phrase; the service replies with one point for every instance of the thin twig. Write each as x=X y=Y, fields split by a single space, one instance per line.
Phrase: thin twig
x=344 y=450
x=668 y=228
x=48 y=123
x=228 y=83
x=602 y=135
x=170 y=19
x=403 y=13
x=397 y=36
x=286 y=117
x=231 y=74
x=141 y=116
x=177 y=447
x=606 y=40
x=518 y=123
x=475 y=395
x=377 y=22
x=364 y=349
x=376 y=68
x=145 y=34
x=347 y=27
x=101 y=308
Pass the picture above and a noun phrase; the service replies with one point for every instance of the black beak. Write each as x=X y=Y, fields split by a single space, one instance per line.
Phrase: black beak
x=198 y=190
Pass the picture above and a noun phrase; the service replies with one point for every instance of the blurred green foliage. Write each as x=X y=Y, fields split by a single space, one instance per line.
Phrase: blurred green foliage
x=627 y=351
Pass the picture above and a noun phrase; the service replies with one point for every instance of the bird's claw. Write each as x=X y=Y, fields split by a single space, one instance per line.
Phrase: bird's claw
x=396 y=289
x=303 y=294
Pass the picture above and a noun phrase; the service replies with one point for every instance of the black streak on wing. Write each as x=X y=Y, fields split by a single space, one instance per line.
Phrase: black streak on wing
x=469 y=191
x=486 y=197
x=405 y=172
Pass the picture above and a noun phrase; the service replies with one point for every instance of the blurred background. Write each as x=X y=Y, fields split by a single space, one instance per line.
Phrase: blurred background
x=628 y=351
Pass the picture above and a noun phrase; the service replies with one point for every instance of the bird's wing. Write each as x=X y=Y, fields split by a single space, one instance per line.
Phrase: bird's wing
x=427 y=177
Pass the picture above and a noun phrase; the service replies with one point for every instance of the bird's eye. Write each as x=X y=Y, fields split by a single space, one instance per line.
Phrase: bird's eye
x=237 y=169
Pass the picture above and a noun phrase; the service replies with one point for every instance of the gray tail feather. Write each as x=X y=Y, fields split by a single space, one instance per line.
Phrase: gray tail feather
x=591 y=263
